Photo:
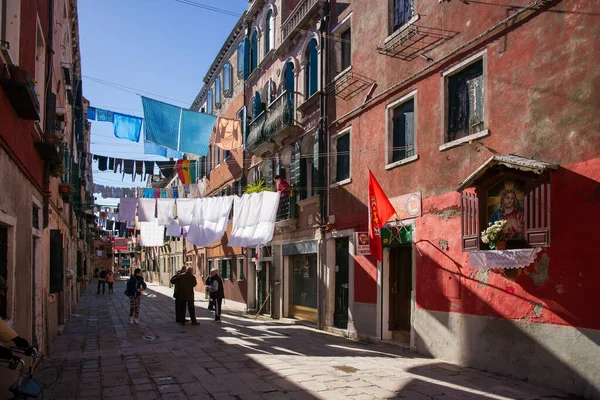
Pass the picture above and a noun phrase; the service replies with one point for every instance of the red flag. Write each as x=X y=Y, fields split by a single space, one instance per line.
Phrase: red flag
x=380 y=210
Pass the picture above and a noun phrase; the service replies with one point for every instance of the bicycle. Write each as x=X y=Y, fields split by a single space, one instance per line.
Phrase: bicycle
x=25 y=386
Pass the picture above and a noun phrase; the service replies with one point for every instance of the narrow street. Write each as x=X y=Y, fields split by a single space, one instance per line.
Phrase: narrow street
x=102 y=356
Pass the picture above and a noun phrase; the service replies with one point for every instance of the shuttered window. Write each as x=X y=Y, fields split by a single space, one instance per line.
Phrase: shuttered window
x=465 y=102
x=403 y=135
x=470 y=221
x=537 y=215
x=342 y=157
x=254 y=51
x=218 y=91
x=240 y=57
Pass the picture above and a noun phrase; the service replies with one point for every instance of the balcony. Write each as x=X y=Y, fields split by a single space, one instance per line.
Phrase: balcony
x=306 y=13
x=286 y=214
x=271 y=127
x=20 y=91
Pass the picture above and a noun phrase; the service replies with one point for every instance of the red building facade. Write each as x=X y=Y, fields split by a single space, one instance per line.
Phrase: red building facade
x=445 y=98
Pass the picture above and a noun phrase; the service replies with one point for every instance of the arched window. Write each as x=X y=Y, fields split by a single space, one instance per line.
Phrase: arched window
x=268 y=31
x=254 y=51
x=209 y=102
x=289 y=84
x=311 y=71
x=240 y=57
x=218 y=90
x=227 y=78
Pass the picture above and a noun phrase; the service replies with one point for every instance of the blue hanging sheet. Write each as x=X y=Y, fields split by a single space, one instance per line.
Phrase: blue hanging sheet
x=196 y=129
x=162 y=122
x=91 y=113
x=177 y=128
x=127 y=127
x=151 y=148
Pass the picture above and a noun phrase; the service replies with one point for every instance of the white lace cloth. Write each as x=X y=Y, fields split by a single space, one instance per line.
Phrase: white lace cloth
x=503 y=259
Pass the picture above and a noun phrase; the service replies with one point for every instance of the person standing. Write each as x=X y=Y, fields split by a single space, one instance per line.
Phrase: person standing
x=216 y=292
x=110 y=279
x=101 y=280
x=185 y=284
x=177 y=301
x=135 y=287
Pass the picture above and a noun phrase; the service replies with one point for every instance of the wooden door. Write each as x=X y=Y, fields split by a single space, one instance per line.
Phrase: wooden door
x=400 y=281
x=342 y=260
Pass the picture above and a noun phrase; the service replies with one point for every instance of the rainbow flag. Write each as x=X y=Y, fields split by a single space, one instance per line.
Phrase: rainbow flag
x=187 y=171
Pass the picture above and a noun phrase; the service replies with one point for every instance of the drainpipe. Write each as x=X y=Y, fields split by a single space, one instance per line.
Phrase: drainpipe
x=323 y=167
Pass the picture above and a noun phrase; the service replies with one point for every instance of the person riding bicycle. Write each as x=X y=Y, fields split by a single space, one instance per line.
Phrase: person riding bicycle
x=8 y=335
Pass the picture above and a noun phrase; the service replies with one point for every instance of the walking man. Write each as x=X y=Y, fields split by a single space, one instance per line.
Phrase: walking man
x=101 y=280
x=185 y=285
x=177 y=301
x=135 y=287
x=216 y=292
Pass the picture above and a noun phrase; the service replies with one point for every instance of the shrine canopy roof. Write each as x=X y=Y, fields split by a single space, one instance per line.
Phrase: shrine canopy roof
x=510 y=161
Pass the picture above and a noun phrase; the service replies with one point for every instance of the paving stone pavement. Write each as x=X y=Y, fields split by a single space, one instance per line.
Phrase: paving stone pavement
x=102 y=356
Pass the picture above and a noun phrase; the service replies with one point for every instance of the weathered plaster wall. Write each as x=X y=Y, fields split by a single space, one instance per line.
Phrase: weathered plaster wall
x=545 y=354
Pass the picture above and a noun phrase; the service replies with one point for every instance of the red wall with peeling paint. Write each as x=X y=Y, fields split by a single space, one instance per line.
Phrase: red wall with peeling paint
x=563 y=279
x=542 y=93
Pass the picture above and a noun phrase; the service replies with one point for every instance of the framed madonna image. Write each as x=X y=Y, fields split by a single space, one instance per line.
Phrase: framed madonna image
x=505 y=202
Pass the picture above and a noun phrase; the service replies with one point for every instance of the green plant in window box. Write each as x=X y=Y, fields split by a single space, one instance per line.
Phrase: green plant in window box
x=257 y=187
x=57 y=170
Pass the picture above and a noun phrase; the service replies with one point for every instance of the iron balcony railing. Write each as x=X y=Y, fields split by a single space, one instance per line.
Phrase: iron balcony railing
x=298 y=16
x=278 y=115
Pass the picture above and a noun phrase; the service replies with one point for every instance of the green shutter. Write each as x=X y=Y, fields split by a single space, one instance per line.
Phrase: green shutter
x=228 y=268
x=316 y=164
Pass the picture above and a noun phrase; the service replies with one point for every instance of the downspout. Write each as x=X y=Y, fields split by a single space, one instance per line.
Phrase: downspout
x=323 y=166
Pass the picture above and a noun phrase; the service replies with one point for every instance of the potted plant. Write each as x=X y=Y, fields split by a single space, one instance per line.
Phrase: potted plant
x=497 y=234
x=257 y=187
x=65 y=188
x=57 y=170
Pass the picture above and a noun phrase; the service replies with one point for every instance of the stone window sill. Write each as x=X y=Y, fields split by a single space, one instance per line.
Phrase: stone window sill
x=465 y=139
x=407 y=160
x=341 y=74
x=340 y=183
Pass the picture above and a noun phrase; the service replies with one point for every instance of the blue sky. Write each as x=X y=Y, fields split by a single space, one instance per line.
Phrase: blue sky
x=162 y=47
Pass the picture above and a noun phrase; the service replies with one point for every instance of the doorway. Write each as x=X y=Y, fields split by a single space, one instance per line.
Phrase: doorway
x=342 y=261
x=262 y=285
x=400 y=287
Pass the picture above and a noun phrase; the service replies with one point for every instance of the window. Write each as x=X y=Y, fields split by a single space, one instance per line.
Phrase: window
x=209 y=266
x=465 y=108
x=240 y=57
x=4 y=271
x=225 y=268
x=218 y=91
x=240 y=269
x=401 y=130
x=226 y=154
x=311 y=69
x=217 y=156
x=227 y=78
x=343 y=45
x=402 y=12
x=209 y=102
x=10 y=31
x=40 y=70
x=341 y=149
x=209 y=159
x=268 y=32
x=254 y=51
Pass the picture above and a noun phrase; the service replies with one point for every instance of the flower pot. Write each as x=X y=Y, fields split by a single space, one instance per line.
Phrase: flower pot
x=501 y=245
x=63 y=189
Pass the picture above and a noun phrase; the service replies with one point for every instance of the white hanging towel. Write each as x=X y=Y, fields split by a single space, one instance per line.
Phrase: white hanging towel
x=173 y=229
x=146 y=210
x=185 y=211
x=152 y=234
x=210 y=220
x=127 y=208
x=254 y=218
x=165 y=211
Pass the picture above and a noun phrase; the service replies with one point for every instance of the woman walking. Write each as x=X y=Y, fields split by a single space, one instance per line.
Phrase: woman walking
x=110 y=279
x=135 y=286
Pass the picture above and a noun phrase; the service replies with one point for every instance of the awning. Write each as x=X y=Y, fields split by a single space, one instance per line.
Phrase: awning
x=510 y=161
x=502 y=259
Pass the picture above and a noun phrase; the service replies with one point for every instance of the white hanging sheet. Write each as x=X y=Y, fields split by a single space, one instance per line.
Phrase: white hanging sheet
x=185 y=211
x=152 y=234
x=210 y=220
x=146 y=210
x=254 y=218
x=165 y=211
x=173 y=229
x=127 y=207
